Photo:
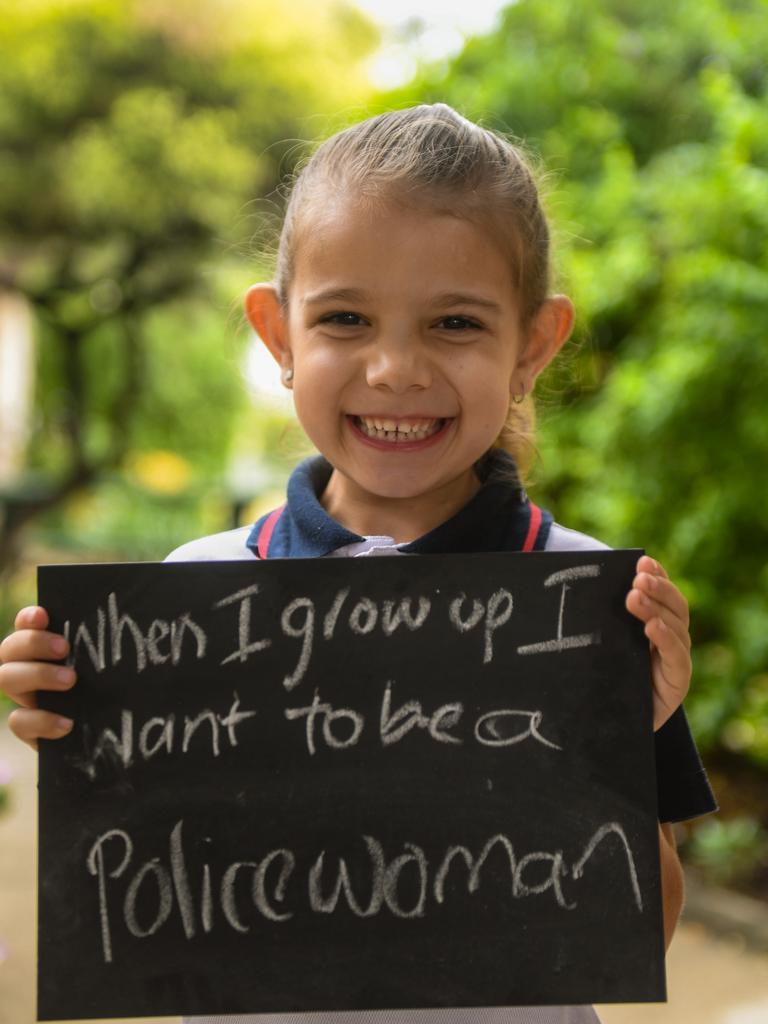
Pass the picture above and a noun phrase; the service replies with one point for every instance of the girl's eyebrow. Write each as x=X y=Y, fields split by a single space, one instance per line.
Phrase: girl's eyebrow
x=335 y=295
x=465 y=299
x=443 y=299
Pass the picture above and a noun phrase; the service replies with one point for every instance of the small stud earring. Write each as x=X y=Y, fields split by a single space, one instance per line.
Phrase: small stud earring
x=287 y=376
x=517 y=399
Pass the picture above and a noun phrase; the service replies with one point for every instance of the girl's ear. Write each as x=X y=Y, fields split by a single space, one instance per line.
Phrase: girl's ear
x=548 y=332
x=265 y=314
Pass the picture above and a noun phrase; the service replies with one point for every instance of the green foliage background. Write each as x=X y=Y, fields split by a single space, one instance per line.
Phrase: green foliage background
x=141 y=146
x=140 y=154
x=653 y=118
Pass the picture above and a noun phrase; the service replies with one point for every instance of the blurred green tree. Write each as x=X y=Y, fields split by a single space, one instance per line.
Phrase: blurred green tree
x=133 y=139
x=654 y=116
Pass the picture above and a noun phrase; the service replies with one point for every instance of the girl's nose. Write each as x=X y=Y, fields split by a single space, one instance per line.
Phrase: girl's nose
x=398 y=365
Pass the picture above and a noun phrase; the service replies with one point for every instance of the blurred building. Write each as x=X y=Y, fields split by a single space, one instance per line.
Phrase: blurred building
x=16 y=383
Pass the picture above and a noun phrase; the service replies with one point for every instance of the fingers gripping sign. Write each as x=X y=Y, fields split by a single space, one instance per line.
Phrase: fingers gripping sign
x=659 y=604
x=27 y=665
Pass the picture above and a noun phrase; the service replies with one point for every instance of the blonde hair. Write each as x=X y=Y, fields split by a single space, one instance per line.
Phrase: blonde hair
x=431 y=154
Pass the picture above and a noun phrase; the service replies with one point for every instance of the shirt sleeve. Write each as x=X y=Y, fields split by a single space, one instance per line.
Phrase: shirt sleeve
x=681 y=781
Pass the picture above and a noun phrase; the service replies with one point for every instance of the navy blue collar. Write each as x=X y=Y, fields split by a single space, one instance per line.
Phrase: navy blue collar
x=497 y=518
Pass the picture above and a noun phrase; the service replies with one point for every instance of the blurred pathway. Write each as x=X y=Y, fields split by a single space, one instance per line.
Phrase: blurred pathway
x=710 y=980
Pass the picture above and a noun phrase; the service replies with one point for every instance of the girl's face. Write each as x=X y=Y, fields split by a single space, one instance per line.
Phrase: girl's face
x=403 y=333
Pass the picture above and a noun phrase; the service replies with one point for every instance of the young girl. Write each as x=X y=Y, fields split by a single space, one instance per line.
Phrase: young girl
x=411 y=316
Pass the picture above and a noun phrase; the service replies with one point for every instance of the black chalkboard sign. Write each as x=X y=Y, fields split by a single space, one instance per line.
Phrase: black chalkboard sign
x=349 y=784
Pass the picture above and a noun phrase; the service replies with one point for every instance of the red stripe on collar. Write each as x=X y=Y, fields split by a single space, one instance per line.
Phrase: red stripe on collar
x=266 y=532
x=533 y=527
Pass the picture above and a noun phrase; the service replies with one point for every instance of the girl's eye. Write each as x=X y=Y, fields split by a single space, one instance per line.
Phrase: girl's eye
x=459 y=323
x=342 y=319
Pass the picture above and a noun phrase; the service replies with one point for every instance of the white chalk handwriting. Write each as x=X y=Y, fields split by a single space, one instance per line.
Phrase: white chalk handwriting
x=111 y=636
x=280 y=886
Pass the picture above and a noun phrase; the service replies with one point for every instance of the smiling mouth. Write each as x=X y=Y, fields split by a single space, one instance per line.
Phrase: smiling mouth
x=398 y=431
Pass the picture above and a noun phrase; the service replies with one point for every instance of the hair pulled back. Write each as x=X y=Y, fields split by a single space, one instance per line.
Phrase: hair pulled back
x=432 y=155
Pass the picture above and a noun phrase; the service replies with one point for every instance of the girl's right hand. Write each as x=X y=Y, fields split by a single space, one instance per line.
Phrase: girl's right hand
x=25 y=669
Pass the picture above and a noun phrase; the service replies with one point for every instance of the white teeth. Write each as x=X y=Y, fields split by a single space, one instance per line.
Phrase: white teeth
x=391 y=430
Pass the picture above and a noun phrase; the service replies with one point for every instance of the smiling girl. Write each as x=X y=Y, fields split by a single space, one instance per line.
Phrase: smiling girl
x=411 y=315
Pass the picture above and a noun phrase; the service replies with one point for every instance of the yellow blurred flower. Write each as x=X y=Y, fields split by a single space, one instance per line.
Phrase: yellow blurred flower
x=160 y=471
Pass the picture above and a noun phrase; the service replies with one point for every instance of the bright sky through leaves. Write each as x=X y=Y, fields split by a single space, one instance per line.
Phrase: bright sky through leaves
x=423 y=29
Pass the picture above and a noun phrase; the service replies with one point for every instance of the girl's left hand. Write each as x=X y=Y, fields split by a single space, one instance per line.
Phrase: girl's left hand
x=656 y=601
